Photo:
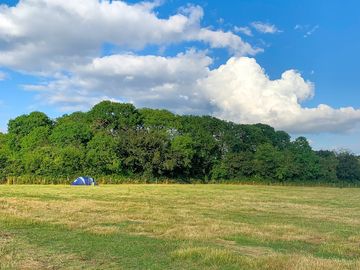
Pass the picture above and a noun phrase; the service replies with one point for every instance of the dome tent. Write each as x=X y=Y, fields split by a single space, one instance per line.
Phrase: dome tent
x=84 y=180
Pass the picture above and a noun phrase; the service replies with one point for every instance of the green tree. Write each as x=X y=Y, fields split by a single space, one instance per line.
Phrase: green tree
x=112 y=116
x=143 y=152
x=348 y=168
x=101 y=156
x=71 y=133
x=234 y=166
x=286 y=169
x=117 y=139
x=306 y=161
x=267 y=161
x=40 y=162
x=207 y=134
x=24 y=124
x=159 y=119
x=68 y=162
x=328 y=163
x=4 y=156
x=36 y=138
x=180 y=157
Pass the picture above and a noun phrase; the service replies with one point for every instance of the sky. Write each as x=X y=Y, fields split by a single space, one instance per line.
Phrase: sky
x=290 y=64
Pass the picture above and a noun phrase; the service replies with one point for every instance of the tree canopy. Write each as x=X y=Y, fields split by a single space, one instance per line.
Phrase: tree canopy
x=117 y=140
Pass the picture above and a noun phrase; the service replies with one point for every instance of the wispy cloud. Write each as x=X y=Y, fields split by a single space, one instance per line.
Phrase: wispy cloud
x=3 y=75
x=307 y=29
x=311 y=31
x=244 y=30
x=265 y=28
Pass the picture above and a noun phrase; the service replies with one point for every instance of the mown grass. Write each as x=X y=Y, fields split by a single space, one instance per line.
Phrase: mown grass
x=179 y=227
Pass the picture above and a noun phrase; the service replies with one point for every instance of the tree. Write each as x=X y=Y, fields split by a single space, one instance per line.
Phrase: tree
x=118 y=139
x=179 y=160
x=112 y=116
x=71 y=133
x=306 y=162
x=78 y=117
x=40 y=162
x=267 y=161
x=281 y=140
x=4 y=156
x=286 y=169
x=143 y=152
x=348 y=168
x=68 y=161
x=36 y=138
x=101 y=156
x=159 y=119
x=234 y=166
x=328 y=163
x=207 y=134
x=24 y=124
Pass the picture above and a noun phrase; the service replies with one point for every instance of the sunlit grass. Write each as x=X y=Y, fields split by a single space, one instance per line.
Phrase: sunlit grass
x=179 y=227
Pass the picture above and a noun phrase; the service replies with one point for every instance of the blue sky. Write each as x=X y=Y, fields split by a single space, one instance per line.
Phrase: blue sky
x=318 y=39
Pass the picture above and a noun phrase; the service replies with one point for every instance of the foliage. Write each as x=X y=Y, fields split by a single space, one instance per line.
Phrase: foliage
x=118 y=141
x=24 y=124
x=348 y=167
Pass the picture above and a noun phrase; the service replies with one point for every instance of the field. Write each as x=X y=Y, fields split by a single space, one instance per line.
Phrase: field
x=179 y=227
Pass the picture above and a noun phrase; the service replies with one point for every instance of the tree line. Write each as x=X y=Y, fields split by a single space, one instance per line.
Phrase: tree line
x=117 y=142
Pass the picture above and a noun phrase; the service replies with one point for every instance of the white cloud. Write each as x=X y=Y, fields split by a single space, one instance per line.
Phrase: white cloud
x=62 y=40
x=242 y=92
x=3 y=76
x=238 y=91
x=311 y=31
x=244 y=30
x=52 y=35
x=265 y=28
x=220 y=20
x=308 y=30
x=221 y=39
x=155 y=81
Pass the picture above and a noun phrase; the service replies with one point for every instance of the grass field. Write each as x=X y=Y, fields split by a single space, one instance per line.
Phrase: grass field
x=179 y=227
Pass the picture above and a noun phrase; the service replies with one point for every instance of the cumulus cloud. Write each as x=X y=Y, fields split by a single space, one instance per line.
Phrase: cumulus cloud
x=265 y=28
x=48 y=35
x=153 y=81
x=242 y=92
x=62 y=41
x=238 y=91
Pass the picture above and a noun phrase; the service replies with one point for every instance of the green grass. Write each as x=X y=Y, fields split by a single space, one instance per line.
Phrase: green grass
x=179 y=227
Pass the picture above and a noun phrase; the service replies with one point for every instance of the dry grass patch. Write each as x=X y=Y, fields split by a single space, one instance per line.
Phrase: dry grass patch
x=270 y=261
x=254 y=227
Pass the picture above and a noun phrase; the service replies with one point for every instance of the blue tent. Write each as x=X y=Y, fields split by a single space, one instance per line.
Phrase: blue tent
x=84 y=180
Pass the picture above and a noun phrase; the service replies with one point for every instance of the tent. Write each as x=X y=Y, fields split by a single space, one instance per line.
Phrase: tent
x=84 y=180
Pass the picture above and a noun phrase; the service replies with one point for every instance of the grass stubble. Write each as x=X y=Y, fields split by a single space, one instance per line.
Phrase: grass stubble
x=179 y=227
